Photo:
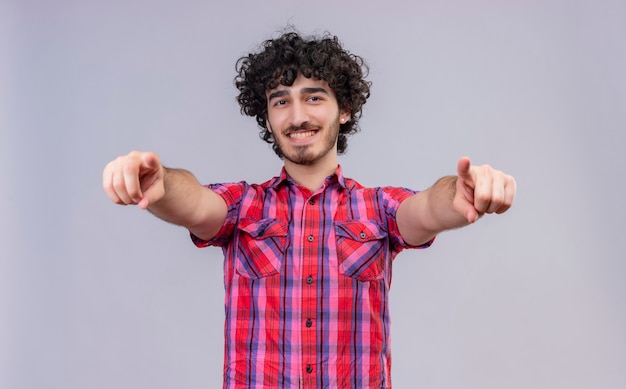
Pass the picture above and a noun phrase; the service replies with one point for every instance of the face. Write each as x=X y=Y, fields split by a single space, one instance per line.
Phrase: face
x=304 y=120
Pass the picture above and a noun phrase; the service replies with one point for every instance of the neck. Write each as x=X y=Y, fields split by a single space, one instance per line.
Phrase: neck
x=311 y=176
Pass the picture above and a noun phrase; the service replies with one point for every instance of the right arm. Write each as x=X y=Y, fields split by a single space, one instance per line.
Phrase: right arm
x=173 y=195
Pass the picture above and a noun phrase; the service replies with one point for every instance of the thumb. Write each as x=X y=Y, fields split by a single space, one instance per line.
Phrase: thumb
x=152 y=194
x=466 y=208
x=471 y=215
x=152 y=180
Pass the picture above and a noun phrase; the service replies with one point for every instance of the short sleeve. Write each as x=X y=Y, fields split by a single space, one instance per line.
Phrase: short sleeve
x=232 y=193
x=394 y=196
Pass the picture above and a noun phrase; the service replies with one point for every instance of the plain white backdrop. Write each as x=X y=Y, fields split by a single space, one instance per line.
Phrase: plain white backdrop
x=94 y=295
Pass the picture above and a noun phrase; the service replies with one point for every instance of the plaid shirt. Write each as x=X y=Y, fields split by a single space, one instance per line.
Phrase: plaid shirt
x=307 y=277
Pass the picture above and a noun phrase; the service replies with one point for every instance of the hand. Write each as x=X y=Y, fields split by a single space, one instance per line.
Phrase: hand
x=482 y=189
x=135 y=178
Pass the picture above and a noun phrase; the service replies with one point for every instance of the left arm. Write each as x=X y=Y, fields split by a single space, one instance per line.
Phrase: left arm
x=455 y=201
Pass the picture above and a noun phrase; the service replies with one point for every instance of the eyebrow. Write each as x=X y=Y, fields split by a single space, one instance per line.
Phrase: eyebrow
x=304 y=91
x=278 y=93
x=313 y=90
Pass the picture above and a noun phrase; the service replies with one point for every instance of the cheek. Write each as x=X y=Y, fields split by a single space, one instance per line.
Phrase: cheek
x=273 y=120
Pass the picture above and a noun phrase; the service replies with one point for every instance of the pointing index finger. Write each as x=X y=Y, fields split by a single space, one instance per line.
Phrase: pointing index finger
x=150 y=161
x=463 y=168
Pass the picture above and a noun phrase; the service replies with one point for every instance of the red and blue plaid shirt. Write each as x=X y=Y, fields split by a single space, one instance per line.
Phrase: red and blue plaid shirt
x=307 y=277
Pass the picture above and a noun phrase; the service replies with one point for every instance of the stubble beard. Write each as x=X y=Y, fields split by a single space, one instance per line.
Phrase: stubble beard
x=302 y=155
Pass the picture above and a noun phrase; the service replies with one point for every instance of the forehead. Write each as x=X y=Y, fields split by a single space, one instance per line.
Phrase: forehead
x=302 y=84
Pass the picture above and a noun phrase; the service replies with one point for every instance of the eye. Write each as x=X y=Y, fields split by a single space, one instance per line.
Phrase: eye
x=315 y=98
x=278 y=103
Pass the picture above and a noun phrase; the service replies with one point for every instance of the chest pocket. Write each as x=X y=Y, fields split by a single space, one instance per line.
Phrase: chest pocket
x=260 y=247
x=361 y=249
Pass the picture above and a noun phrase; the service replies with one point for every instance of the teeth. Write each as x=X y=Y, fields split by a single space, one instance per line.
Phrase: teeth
x=301 y=135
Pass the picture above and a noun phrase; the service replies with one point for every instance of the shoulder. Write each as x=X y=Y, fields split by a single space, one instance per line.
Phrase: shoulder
x=233 y=192
x=353 y=187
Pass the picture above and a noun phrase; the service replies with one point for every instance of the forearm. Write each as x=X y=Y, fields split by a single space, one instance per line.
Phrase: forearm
x=427 y=213
x=189 y=204
x=438 y=212
x=455 y=201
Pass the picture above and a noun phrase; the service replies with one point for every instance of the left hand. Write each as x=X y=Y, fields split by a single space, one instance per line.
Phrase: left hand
x=481 y=190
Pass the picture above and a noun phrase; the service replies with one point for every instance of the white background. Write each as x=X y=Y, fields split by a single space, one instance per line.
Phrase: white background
x=94 y=295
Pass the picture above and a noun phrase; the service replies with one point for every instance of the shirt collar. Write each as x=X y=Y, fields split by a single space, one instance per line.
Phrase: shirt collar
x=284 y=178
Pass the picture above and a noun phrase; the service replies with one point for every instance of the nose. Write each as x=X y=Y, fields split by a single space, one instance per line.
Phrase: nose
x=298 y=114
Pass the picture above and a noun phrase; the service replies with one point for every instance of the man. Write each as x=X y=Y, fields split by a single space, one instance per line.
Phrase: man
x=308 y=253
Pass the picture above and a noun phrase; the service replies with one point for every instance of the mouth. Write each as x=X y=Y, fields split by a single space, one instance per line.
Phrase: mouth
x=301 y=134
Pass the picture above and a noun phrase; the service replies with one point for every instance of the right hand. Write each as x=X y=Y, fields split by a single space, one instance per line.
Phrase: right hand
x=135 y=178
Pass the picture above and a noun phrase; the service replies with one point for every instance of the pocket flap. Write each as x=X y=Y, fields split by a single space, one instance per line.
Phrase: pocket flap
x=362 y=231
x=263 y=228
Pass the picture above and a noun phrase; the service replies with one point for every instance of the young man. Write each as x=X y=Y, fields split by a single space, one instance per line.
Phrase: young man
x=308 y=253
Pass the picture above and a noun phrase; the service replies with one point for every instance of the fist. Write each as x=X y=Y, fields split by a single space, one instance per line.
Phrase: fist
x=135 y=178
x=482 y=189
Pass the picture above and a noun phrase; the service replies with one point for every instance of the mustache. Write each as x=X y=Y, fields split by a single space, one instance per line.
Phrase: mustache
x=301 y=127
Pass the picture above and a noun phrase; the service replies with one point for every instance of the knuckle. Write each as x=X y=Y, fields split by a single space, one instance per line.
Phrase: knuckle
x=483 y=197
x=510 y=180
x=130 y=167
x=485 y=169
x=118 y=183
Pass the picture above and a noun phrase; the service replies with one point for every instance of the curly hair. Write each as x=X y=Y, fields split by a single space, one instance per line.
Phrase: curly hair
x=321 y=58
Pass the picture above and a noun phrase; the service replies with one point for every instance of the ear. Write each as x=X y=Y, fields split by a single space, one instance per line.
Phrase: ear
x=268 y=126
x=344 y=114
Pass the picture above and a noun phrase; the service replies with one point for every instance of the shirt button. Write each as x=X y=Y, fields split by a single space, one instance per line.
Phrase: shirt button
x=310 y=238
x=309 y=280
x=309 y=368
x=312 y=202
x=363 y=235
x=309 y=323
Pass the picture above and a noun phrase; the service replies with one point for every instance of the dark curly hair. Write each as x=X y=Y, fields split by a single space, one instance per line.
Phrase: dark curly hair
x=321 y=58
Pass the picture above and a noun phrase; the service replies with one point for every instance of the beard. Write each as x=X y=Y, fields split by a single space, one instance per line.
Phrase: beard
x=306 y=154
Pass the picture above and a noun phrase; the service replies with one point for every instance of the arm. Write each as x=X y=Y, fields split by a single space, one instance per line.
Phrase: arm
x=173 y=195
x=455 y=201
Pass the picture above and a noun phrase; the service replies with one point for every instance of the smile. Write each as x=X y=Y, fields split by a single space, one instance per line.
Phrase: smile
x=301 y=134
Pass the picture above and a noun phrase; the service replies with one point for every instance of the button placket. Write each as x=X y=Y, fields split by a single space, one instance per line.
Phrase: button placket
x=311 y=234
